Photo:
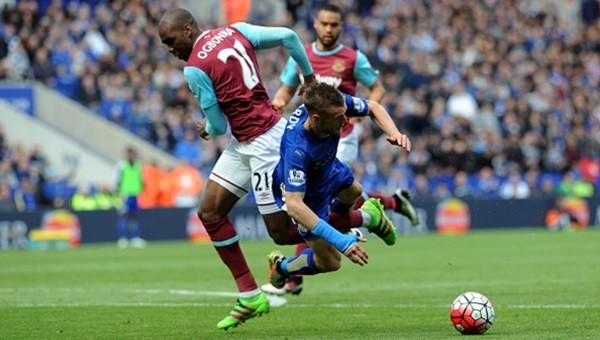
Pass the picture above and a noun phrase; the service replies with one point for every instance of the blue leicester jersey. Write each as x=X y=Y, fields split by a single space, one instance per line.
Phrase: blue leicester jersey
x=306 y=162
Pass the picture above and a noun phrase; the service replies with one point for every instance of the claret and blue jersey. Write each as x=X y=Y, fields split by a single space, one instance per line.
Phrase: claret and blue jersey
x=222 y=69
x=308 y=163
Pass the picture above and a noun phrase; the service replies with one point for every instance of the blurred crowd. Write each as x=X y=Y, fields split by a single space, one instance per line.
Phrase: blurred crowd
x=500 y=98
x=28 y=180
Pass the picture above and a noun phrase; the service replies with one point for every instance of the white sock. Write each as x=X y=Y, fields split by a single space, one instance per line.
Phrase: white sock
x=366 y=218
x=245 y=295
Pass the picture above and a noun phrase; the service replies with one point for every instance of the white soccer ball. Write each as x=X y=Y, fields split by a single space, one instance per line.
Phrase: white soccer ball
x=472 y=313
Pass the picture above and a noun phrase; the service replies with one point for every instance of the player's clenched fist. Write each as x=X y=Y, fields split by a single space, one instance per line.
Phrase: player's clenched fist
x=201 y=128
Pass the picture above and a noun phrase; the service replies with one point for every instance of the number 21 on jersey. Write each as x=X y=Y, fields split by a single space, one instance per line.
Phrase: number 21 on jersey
x=239 y=53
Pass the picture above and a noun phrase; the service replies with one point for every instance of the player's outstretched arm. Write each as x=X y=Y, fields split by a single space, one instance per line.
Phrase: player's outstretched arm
x=344 y=243
x=382 y=118
x=376 y=91
x=263 y=37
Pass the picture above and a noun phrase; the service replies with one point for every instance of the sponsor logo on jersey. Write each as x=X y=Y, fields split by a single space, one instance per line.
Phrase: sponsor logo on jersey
x=338 y=66
x=297 y=177
x=333 y=81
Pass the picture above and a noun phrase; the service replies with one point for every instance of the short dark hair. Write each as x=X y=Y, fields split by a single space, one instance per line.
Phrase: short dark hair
x=329 y=7
x=177 y=18
x=319 y=97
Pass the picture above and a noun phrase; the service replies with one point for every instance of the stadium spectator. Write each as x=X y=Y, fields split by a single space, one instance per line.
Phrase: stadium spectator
x=421 y=187
x=462 y=187
x=162 y=136
x=25 y=196
x=42 y=67
x=514 y=187
x=36 y=156
x=106 y=199
x=487 y=184
x=534 y=179
x=187 y=149
x=590 y=11
x=7 y=202
x=117 y=105
x=99 y=47
x=36 y=178
x=7 y=174
x=555 y=157
x=57 y=189
x=547 y=187
x=462 y=105
x=442 y=192
x=413 y=74
x=88 y=92
x=84 y=199
x=21 y=162
x=419 y=158
x=572 y=185
x=65 y=81
x=18 y=64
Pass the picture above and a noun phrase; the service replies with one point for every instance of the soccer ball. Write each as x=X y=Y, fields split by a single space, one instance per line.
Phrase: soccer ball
x=472 y=313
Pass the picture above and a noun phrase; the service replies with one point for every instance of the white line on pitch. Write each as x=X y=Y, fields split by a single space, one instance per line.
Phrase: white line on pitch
x=234 y=294
x=289 y=305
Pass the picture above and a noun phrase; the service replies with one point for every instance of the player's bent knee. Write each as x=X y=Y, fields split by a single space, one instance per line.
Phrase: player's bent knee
x=279 y=228
x=329 y=264
x=332 y=266
x=209 y=215
x=356 y=188
x=281 y=238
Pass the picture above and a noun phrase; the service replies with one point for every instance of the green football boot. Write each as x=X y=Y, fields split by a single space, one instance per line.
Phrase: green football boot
x=246 y=309
x=380 y=224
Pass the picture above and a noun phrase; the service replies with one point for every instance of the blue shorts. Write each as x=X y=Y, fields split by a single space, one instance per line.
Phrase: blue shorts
x=131 y=205
x=340 y=178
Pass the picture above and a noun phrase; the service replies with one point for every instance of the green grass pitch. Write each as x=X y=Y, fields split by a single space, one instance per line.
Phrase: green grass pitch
x=544 y=285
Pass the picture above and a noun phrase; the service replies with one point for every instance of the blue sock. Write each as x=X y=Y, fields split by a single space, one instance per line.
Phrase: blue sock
x=339 y=207
x=300 y=264
x=134 y=230
x=122 y=227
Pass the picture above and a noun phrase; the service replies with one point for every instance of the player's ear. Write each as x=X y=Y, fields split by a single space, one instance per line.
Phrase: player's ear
x=187 y=30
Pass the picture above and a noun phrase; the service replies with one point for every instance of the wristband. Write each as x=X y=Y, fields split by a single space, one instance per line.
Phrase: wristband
x=340 y=241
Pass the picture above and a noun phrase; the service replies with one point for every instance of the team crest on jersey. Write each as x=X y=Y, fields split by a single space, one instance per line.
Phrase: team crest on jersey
x=338 y=66
x=359 y=105
x=297 y=177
